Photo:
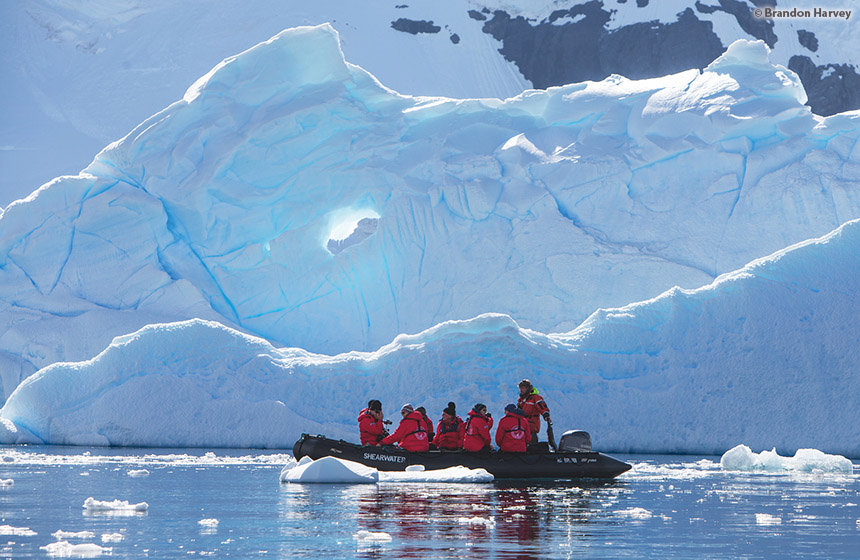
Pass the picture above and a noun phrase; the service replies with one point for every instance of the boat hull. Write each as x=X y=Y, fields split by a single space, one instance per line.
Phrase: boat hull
x=555 y=465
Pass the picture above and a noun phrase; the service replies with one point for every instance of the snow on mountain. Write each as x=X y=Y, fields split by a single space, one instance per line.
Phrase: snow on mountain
x=543 y=207
x=79 y=75
x=762 y=356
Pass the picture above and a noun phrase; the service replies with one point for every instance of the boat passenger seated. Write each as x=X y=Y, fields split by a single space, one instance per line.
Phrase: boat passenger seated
x=411 y=434
x=477 y=437
x=370 y=424
x=450 y=430
x=513 y=433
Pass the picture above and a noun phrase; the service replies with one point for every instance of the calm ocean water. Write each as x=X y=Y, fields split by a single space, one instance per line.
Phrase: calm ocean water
x=666 y=507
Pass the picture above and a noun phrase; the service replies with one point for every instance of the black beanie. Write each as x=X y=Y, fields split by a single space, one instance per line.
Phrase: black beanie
x=451 y=410
x=374 y=405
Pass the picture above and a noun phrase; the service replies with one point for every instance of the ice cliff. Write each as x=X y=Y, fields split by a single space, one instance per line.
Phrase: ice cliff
x=764 y=355
x=544 y=207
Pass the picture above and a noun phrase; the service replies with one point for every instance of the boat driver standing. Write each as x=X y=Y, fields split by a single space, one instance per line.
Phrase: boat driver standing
x=533 y=406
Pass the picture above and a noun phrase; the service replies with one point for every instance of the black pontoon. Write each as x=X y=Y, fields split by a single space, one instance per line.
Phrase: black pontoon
x=574 y=458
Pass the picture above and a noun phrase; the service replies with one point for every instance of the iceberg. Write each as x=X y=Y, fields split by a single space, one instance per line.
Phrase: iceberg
x=542 y=207
x=676 y=373
x=742 y=458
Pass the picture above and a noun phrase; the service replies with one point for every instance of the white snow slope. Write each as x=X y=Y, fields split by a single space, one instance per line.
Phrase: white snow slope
x=765 y=356
x=543 y=207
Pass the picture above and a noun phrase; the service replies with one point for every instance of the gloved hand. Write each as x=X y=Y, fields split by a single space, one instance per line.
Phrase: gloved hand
x=546 y=416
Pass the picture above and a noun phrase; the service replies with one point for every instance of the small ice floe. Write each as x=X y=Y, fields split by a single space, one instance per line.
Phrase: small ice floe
x=370 y=537
x=66 y=535
x=112 y=537
x=331 y=470
x=451 y=474
x=9 y=531
x=635 y=513
x=64 y=549
x=766 y=519
x=742 y=458
x=138 y=472
x=489 y=523
x=208 y=526
x=115 y=507
x=6 y=482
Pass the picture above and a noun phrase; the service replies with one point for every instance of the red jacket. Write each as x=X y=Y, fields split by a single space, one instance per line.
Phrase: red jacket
x=513 y=433
x=429 y=425
x=449 y=435
x=370 y=429
x=534 y=407
x=477 y=435
x=411 y=433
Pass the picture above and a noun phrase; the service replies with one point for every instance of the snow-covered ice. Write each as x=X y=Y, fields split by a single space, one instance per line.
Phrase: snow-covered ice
x=370 y=536
x=114 y=507
x=742 y=458
x=138 y=472
x=331 y=470
x=66 y=535
x=64 y=549
x=9 y=530
x=767 y=519
x=487 y=522
x=208 y=522
x=112 y=537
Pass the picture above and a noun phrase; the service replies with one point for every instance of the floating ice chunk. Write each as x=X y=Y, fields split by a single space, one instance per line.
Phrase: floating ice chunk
x=742 y=458
x=330 y=470
x=767 y=519
x=138 y=472
x=112 y=537
x=487 y=522
x=368 y=536
x=6 y=482
x=115 y=507
x=65 y=535
x=64 y=549
x=8 y=530
x=451 y=474
x=208 y=522
x=635 y=513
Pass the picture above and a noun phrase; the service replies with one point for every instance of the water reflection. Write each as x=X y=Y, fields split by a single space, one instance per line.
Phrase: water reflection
x=503 y=520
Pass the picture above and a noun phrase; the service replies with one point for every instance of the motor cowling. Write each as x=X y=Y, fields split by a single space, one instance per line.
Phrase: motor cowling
x=575 y=440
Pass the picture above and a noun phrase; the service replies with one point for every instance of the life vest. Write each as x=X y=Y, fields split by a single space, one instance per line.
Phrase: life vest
x=533 y=406
x=513 y=433
x=371 y=430
x=477 y=436
x=449 y=435
x=411 y=437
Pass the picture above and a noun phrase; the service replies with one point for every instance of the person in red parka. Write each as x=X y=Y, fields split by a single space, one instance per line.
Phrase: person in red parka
x=477 y=437
x=513 y=433
x=450 y=430
x=411 y=434
x=427 y=423
x=370 y=424
x=533 y=406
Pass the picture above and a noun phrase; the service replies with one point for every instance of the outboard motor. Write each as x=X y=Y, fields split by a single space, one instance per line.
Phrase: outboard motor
x=575 y=440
